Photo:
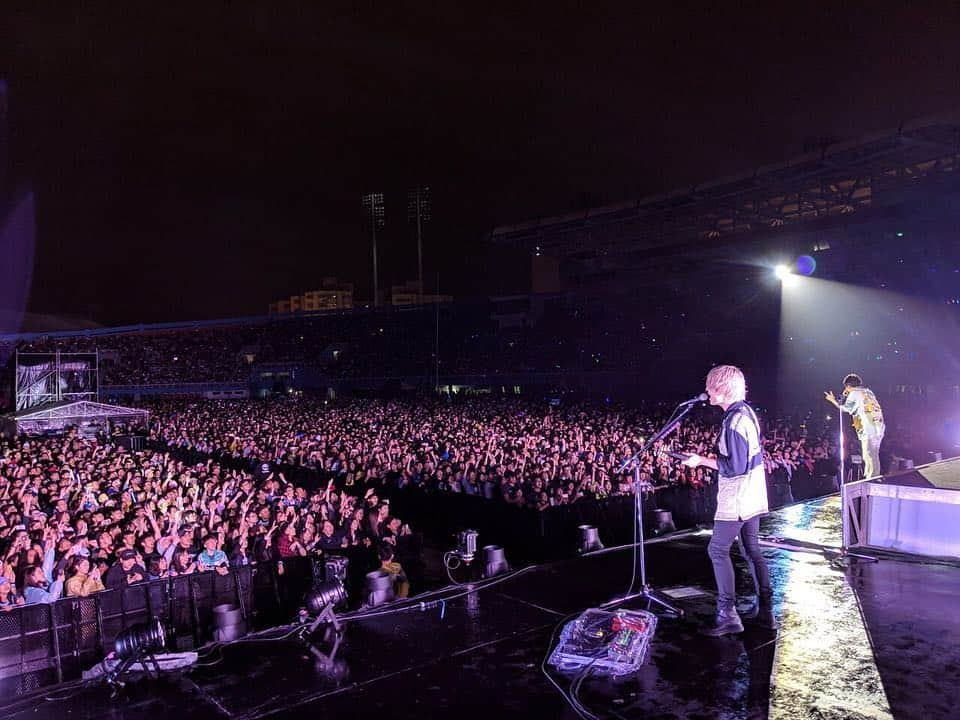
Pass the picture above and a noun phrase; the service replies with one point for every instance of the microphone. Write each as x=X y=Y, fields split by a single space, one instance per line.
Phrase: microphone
x=702 y=397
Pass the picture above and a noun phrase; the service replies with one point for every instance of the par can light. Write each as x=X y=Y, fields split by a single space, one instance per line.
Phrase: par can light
x=141 y=639
x=330 y=593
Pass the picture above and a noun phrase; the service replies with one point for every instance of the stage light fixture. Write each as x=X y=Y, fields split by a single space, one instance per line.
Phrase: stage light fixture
x=228 y=623
x=494 y=561
x=663 y=522
x=378 y=588
x=335 y=568
x=589 y=538
x=136 y=644
x=320 y=602
x=467 y=545
x=141 y=639
x=330 y=593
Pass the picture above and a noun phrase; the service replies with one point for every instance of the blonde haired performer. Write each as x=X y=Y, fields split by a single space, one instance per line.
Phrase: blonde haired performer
x=741 y=498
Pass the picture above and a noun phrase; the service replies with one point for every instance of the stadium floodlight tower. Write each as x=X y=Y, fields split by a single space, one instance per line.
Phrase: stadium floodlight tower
x=373 y=215
x=418 y=211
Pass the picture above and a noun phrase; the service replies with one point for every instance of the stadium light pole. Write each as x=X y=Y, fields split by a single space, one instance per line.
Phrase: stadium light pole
x=418 y=210
x=436 y=353
x=373 y=214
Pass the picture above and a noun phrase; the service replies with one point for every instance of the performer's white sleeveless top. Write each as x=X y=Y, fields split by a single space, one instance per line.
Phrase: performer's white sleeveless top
x=743 y=496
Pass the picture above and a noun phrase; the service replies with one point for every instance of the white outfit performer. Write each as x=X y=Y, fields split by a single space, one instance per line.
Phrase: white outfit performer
x=862 y=404
x=741 y=500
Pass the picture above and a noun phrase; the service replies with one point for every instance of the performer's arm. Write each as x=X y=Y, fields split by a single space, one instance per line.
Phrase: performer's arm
x=849 y=406
x=734 y=457
x=733 y=461
x=694 y=460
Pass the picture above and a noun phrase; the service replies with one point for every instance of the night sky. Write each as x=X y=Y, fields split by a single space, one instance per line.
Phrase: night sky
x=201 y=162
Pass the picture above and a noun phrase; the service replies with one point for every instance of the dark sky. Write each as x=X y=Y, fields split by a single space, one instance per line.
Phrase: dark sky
x=200 y=162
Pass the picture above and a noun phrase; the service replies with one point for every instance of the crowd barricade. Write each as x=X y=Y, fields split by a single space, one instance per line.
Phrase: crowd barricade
x=47 y=643
x=532 y=536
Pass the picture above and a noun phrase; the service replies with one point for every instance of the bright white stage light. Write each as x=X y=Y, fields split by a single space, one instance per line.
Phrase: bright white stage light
x=784 y=274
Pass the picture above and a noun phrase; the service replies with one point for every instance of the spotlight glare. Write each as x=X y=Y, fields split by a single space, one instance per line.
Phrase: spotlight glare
x=785 y=275
x=806 y=265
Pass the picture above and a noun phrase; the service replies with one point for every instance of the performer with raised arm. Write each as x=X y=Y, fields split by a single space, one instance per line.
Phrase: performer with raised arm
x=861 y=403
x=741 y=498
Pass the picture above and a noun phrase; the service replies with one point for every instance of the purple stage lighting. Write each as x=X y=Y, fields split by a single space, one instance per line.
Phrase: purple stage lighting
x=806 y=265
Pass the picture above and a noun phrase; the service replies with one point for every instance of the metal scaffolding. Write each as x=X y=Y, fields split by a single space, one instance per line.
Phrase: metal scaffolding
x=835 y=183
x=51 y=377
x=84 y=414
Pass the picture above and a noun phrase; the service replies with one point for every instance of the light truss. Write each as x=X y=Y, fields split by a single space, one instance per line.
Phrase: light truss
x=56 y=417
x=836 y=182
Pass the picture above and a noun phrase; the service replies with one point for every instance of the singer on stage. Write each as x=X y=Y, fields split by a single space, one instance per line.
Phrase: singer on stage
x=861 y=403
x=741 y=498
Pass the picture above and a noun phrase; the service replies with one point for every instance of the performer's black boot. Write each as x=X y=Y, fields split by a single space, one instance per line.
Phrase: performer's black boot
x=765 y=618
x=727 y=623
x=761 y=614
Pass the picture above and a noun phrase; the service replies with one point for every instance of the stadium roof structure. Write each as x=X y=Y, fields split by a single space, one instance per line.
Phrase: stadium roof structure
x=834 y=183
x=52 y=417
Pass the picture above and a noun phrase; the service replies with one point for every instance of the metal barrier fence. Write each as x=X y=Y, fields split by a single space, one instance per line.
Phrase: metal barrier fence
x=48 y=643
x=529 y=535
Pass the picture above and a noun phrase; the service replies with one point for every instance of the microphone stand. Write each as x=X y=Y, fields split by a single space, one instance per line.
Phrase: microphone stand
x=842 y=553
x=646 y=592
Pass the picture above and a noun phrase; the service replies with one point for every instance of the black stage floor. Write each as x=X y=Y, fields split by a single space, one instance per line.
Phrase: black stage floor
x=876 y=641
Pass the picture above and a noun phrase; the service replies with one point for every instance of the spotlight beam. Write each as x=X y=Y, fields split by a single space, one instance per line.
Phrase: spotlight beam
x=785 y=275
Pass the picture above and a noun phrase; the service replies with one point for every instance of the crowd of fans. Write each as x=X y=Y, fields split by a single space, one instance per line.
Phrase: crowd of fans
x=342 y=345
x=78 y=515
x=524 y=453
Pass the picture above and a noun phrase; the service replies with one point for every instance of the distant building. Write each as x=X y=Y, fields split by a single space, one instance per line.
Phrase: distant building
x=407 y=294
x=280 y=307
x=332 y=295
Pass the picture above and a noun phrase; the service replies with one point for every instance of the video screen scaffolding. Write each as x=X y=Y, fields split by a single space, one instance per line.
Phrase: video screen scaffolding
x=51 y=377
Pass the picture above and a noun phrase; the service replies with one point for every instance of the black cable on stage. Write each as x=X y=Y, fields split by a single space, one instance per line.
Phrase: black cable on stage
x=575 y=686
x=426 y=605
x=572 y=701
x=75 y=686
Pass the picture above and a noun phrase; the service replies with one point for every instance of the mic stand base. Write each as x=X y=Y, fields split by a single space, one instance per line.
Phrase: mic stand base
x=653 y=597
x=842 y=557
